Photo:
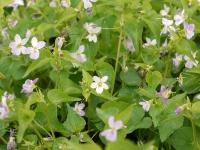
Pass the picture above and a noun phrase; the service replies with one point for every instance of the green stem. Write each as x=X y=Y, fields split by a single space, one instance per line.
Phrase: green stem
x=42 y=128
x=3 y=140
x=117 y=58
x=196 y=144
x=38 y=133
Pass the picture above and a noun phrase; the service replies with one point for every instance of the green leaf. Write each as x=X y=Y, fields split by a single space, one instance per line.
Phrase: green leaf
x=74 y=122
x=25 y=118
x=196 y=107
x=191 y=82
x=87 y=80
x=122 y=145
x=34 y=98
x=153 y=79
x=3 y=127
x=57 y=96
x=105 y=69
x=46 y=115
x=147 y=92
x=150 y=55
x=62 y=81
x=36 y=64
x=131 y=77
x=182 y=139
x=137 y=120
x=169 y=126
x=2 y=76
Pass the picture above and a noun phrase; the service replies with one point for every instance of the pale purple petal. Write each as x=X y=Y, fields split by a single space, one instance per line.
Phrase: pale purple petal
x=17 y=38
x=111 y=122
x=40 y=44
x=104 y=78
x=34 y=54
x=94 y=85
x=118 y=125
x=34 y=42
x=96 y=79
x=105 y=86
x=99 y=90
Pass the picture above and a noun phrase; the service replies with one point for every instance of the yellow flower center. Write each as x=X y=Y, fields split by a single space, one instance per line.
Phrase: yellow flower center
x=19 y=45
x=99 y=84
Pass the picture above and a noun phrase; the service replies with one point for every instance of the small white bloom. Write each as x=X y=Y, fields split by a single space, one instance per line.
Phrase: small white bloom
x=168 y=26
x=28 y=86
x=145 y=105
x=78 y=108
x=28 y=34
x=53 y=4
x=12 y=22
x=11 y=143
x=4 y=110
x=17 y=3
x=88 y=3
x=18 y=46
x=165 y=11
x=59 y=42
x=198 y=96
x=177 y=60
x=99 y=84
x=150 y=42
x=191 y=62
x=179 y=17
x=93 y=30
x=78 y=55
x=36 y=46
x=165 y=43
x=65 y=3
x=128 y=43
x=189 y=30
x=8 y=96
x=111 y=133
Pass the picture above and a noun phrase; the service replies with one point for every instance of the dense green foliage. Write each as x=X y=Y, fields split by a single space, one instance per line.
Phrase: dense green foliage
x=71 y=67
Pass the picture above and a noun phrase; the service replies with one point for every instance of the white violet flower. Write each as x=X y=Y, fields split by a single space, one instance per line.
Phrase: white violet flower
x=149 y=42
x=53 y=4
x=165 y=11
x=59 y=42
x=88 y=3
x=29 y=86
x=4 y=110
x=17 y=3
x=28 y=34
x=191 y=62
x=189 y=30
x=111 y=133
x=145 y=105
x=18 y=46
x=78 y=55
x=99 y=84
x=11 y=143
x=168 y=26
x=177 y=60
x=128 y=43
x=12 y=22
x=36 y=46
x=93 y=30
x=65 y=3
x=78 y=108
x=179 y=17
